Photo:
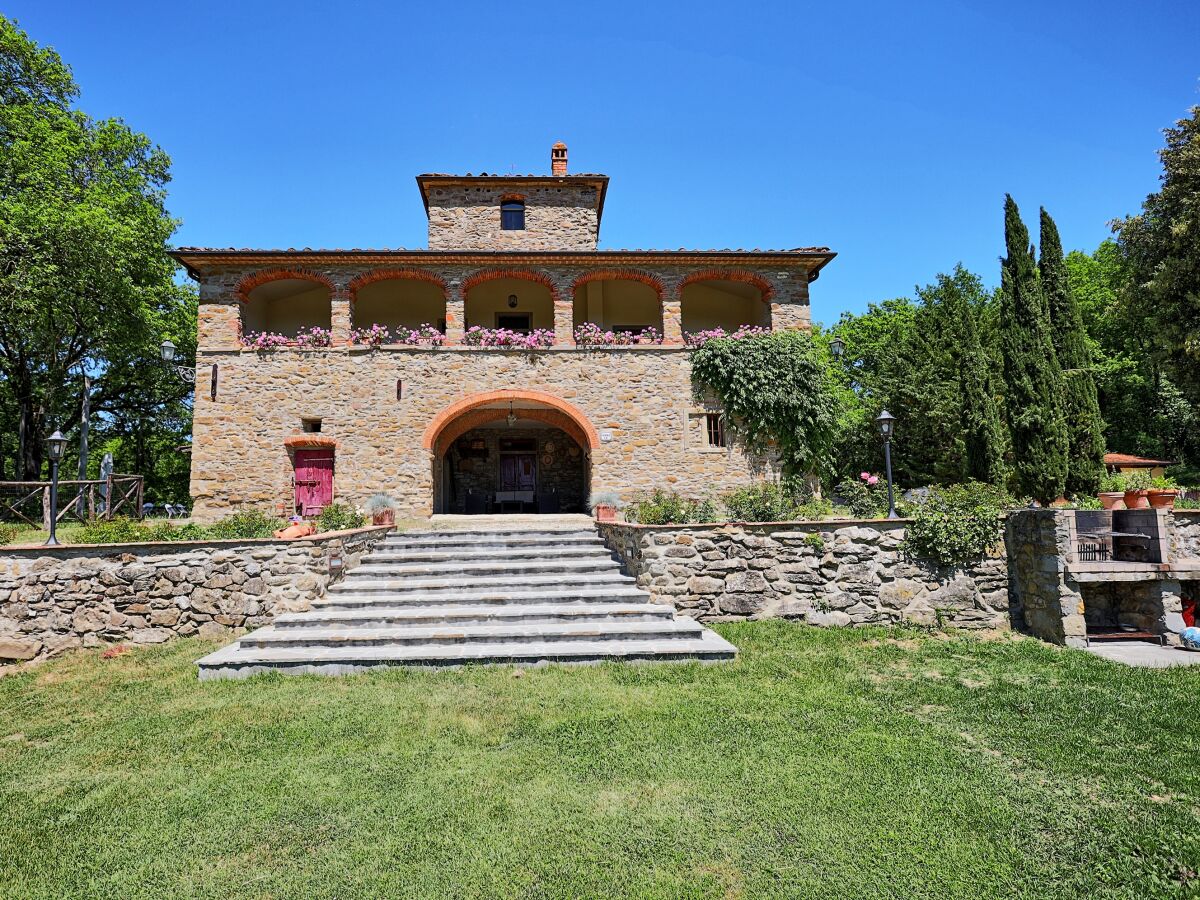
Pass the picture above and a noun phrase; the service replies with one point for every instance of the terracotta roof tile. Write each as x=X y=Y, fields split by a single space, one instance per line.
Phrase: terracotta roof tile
x=1134 y=462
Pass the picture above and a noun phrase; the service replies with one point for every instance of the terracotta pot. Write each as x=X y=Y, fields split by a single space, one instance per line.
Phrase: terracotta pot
x=606 y=513
x=1161 y=498
x=387 y=517
x=1137 y=499
x=1110 y=499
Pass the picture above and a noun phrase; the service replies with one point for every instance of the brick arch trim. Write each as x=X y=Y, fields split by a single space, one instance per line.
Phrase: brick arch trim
x=580 y=428
x=621 y=275
x=485 y=275
x=374 y=275
x=477 y=417
x=766 y=291
x=264 y=276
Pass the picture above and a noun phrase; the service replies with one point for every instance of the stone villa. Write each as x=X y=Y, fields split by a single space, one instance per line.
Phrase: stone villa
x=302 y=400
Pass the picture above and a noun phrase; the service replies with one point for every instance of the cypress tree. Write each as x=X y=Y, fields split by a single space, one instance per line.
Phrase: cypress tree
x=980 y=422
x=1080 y=404
x=1032 y=377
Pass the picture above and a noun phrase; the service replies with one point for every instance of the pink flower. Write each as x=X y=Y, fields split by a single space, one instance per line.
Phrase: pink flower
x=865 y=476
x=874 y=479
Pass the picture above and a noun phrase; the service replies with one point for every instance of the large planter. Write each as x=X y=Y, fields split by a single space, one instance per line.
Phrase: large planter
x=606 y=513
x=1111 y=499
x=1161 y=498
x=387 y=517
x=1137 y=499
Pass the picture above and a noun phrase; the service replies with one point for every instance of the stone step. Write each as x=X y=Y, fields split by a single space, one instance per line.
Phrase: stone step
x=473 y=614
x=463 y=583
x=572 y=594
x=456 y=633
x=235 y=661
x=520 y=536
x=520 y=554
x=566 y=568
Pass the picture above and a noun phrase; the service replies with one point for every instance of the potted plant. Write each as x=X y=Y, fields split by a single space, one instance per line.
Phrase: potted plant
x=604 y=505
x=382 y=509
x=1112 y=491
x=1163 y=492
x=1137 y=491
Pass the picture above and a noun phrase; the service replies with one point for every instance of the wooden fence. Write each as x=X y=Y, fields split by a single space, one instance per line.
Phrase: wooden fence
x=29 y=501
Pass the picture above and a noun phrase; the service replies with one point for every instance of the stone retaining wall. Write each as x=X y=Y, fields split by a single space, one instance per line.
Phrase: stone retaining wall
x=825 y=573
x=53 y=600
x=1187 y=533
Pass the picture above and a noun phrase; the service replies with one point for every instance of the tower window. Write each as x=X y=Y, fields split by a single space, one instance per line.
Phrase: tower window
x=715 y=426
x=512 y=215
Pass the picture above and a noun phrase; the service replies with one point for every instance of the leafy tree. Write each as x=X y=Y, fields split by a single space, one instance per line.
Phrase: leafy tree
x=85 y=282
x=1162 y=247
x=1032 y=377
x=777 y=395
x=1080 y=405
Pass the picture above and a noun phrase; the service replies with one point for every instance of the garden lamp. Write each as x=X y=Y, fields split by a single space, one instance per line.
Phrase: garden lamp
x=167 y=349
x=56 y=445
x=887 y=424
x=836 y=347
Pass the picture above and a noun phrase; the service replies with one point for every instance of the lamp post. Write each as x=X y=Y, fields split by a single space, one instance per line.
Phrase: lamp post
x=167 y=351
x=887 y=424
x=55 y=445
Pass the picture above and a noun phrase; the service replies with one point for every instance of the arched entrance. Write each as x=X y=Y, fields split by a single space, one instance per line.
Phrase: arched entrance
x=511 y=451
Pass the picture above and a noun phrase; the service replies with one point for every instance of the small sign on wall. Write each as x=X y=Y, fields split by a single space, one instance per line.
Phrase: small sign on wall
x=606 y=437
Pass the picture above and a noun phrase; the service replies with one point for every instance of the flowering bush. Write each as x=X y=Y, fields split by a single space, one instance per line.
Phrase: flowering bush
x=696 y=338
x=865 y=498
x=477 y=336
x=264 y=340
x=314 y=337
x=427 y=335
x=589 y=334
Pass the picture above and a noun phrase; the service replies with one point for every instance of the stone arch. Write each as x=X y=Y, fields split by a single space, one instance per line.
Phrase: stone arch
x=765 y=289
x=400 y=298
x=374 y=275
x=621 y=275
x=263 y=276
x=485 y=275
x=288 y=301
x=587 y=436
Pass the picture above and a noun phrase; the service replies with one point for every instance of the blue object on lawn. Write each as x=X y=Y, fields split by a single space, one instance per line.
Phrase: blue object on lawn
x=1190 y=637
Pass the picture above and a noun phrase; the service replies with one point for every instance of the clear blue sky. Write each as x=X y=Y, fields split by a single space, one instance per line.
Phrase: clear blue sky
x=887 y=131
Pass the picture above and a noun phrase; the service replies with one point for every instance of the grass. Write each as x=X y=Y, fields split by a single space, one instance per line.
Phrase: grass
x=823 y=763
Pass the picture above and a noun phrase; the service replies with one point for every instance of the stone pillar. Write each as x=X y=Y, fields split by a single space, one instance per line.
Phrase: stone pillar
x=672 y=314
x=219 y=324
x=1172 y=611
x=456 y=314
x=339 y=318
x=789 y=304
x=564 y=321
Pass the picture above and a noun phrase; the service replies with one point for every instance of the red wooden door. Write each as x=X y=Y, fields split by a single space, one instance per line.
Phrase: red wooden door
x=314 y=480
x=518 y=472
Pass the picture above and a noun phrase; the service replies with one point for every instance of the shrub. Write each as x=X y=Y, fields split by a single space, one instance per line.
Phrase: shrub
x=8 y=533
x=380 y=503
x=118 y=530
x=249 y=523
x=864 y=497
x=339 y=517
x=815 y=541
x=669 y=508
x=166 y=531
x=767 y=501
x=814 y=509
x=957 y=524
x=1113 y=484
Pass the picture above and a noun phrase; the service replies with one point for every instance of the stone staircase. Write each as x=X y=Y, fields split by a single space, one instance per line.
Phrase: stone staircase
x=447 y=598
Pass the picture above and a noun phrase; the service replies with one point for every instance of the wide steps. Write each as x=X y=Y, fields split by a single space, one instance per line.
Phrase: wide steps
x=522 y=596
x=231 y=662
x=385 y=615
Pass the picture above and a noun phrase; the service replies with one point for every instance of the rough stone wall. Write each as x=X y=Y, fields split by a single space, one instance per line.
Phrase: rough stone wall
x=825 y=573
x=1186 y=533
x=1045 y=598
x=467 y=217
x=639 y=397
x=56 y=600
x=560 y=465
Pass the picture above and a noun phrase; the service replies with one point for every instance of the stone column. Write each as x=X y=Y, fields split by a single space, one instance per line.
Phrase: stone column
x=1172 y=611
x=564 y=321
x=672 y=314
x=219 y=317
x=339 y=318
x=789 y=304
x=456 y=314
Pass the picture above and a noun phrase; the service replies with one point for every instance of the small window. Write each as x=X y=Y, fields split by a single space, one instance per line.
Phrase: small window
x=311 y=426
x=515 y=322
x=512 y=215
x=715 y=428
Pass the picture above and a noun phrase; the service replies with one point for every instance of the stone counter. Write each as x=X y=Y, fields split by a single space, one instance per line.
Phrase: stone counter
x=55 y=599
x=825 y=573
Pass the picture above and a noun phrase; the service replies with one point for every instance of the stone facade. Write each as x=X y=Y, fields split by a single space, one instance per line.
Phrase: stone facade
x=53 y=600
x=564 y=215
x=377 y=406
x=824 y=573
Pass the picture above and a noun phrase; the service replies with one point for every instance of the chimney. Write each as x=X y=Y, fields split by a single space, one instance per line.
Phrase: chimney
x=558 y=159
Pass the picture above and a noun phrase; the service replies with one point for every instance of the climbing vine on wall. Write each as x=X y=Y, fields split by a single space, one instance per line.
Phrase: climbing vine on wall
x=777 y=395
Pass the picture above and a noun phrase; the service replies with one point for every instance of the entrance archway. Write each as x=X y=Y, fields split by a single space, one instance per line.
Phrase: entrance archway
x=511 y=451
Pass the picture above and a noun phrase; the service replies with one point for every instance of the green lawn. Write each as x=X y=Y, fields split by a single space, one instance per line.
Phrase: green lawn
x=824 y=763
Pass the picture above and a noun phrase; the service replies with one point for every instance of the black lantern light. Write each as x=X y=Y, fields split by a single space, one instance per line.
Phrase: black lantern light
x=167 y=350
x=511 y=418
x=836 y=347
x=887 y=426
x=56 y=445
x=512 y=301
